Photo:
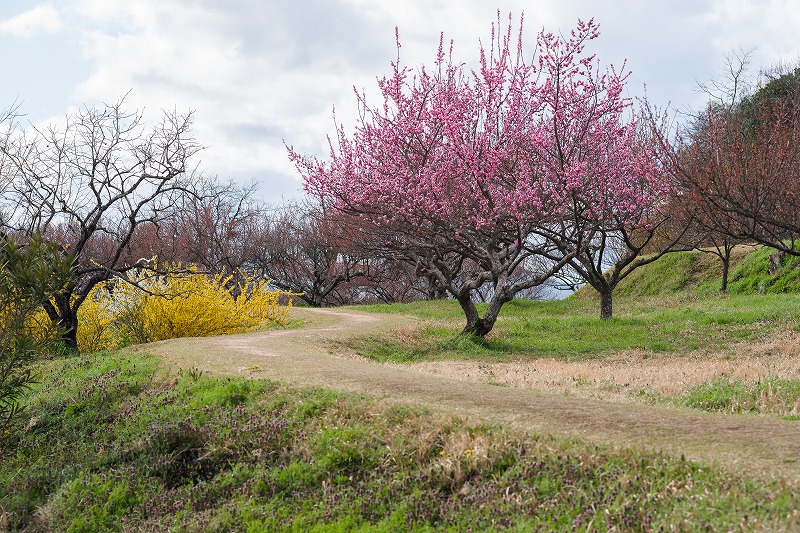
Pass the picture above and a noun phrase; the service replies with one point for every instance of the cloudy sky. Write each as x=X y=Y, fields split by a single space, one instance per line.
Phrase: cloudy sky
x=258 y=72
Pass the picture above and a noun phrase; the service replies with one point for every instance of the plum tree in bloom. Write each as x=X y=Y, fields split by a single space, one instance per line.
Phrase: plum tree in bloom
x=618 y=199
x=471 y=173
x=599 y=157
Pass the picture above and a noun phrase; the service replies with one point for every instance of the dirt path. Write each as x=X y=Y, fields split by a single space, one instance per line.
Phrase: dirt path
x=304 y=357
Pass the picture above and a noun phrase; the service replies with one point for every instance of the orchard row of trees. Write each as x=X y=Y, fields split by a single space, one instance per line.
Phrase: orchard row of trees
x=736 y=165
x=477 y=185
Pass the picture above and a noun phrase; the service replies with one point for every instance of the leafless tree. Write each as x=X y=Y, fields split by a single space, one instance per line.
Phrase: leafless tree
x=736 y=162
x=733 y=83
x=92 y=183
x=304 y=250
x=214 y=228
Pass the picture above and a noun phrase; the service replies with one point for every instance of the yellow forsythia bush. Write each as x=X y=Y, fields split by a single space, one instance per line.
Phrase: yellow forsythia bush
x=190 y=305
x=37 y=324
x=96 y=328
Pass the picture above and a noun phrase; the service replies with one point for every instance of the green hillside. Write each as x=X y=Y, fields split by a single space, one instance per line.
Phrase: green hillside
x=700 y=273
x=121 y=442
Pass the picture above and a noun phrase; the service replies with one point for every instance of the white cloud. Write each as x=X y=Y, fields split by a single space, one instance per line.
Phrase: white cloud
x=253 y=80
x=768 y=27
x=40 y=19
x=260 y=71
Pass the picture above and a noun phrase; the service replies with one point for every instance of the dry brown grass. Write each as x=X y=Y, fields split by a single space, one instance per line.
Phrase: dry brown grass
x=462 y=454
x=625 y=376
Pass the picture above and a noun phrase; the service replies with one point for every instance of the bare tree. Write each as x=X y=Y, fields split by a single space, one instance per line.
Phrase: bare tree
x=734 y=82
x=611 y=251
x=214 y=228
x=92 y=183
x=737 y=161
x=304 y=249
x=694 y=215
x=392 y=281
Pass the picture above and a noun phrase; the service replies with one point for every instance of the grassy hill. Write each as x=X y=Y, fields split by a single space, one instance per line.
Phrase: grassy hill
x=115 y=444
x=700 y=273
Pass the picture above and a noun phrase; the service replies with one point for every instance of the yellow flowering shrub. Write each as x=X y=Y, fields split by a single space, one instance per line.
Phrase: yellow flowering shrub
x=37 y=325
x=197 y=306
x=96 y=321
x=96 y=331
x=190 y=305
x=41 y=327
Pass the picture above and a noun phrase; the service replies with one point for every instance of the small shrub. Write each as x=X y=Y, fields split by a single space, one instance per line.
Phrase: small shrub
x=96 y=318
x=29 y=274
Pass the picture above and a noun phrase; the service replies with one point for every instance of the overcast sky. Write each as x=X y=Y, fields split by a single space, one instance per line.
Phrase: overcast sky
x=258 y=72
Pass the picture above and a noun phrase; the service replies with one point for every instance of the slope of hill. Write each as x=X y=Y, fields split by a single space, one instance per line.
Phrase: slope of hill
x=700 y=273
x=127 y=442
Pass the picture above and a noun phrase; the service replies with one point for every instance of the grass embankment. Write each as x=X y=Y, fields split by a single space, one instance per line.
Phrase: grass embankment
x=115 y=445
x=700 y=274
x=730 y=352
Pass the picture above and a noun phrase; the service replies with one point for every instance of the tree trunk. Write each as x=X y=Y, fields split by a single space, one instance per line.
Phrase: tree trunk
x=69 y=336
x=775 y=260
x=62 y=315
x=726 y=263
x=481 y=326
x=470 y=312
x=499 y=299
x=606 y=303
x=435 y=290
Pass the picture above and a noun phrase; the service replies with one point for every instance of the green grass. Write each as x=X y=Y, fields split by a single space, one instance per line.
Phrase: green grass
x=769 y=396
x=700 y=274
x=115 y=445
x=672 y=305
x=752 y=275
x=671 y=274
x=571 y=330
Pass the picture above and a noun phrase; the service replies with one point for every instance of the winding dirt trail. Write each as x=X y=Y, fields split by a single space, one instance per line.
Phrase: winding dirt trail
x=305 y=357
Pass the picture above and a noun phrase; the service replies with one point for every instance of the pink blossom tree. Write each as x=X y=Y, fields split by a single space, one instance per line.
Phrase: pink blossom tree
x=598 y=155
x=471 y=173
x=618 y=218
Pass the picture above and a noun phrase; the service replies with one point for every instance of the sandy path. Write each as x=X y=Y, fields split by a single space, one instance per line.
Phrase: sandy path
x=304 y=357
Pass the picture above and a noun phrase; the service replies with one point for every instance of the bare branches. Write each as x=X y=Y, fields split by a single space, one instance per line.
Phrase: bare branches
x=91 y=184
x=307 y=250
x=737 y=166
x=728 y=89
x=213 y=226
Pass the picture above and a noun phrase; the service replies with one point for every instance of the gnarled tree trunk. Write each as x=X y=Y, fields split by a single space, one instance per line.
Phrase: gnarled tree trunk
x=477 y=325
x=65 y=317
